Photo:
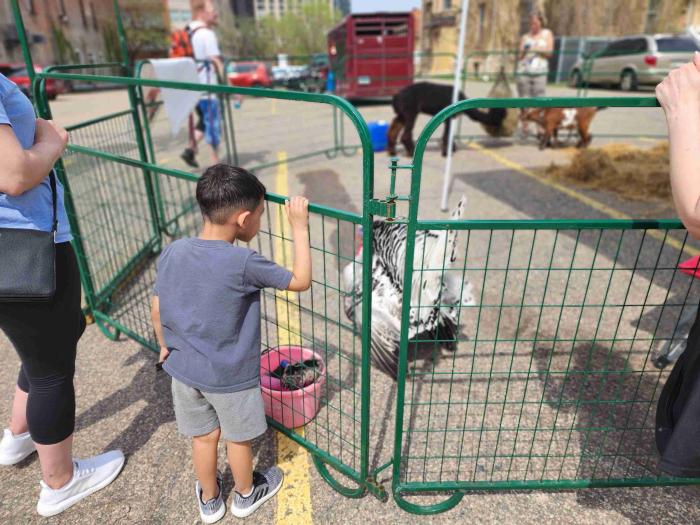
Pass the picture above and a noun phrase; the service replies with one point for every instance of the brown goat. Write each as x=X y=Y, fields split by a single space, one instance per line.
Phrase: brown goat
x=551 y=120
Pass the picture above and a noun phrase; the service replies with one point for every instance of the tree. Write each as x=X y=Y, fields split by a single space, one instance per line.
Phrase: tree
x=146 y=32
x=298 y=32
x=303 y=32
x=244 y=37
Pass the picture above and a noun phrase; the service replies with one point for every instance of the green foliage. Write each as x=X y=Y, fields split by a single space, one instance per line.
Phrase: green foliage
x=146 y=33
x=111 y=43
x=65 y=52
x=244 y=37
x=298 y=32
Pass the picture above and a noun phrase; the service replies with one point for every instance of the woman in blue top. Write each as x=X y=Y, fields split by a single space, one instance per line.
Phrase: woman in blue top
x=45 y=334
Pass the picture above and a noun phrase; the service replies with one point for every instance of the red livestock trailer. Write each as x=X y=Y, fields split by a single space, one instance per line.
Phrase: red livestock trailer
x=371 y=54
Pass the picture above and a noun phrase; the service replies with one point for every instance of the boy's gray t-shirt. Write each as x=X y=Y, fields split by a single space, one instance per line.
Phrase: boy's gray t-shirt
x=209 y=296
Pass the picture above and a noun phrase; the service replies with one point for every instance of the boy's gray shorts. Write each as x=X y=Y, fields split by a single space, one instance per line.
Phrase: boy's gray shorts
x=240 y=415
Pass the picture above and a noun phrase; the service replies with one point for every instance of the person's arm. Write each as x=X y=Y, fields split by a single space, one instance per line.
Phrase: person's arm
x=213 y=54
x=25 y=169
x=549 y=44
x=219 y=65
x=155 y=318
x=298 y=215
x=679 y=96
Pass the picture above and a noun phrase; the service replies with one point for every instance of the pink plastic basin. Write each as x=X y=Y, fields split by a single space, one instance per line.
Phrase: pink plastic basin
x=291 y=408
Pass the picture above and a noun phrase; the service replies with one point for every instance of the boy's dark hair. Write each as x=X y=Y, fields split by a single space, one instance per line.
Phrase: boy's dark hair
x=224 y=189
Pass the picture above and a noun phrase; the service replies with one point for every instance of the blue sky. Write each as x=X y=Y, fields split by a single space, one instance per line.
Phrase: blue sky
x=359 y=6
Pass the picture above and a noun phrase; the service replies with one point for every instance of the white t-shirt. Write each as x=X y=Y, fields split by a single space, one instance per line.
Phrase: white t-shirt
x=533 y=63
x=205 y=46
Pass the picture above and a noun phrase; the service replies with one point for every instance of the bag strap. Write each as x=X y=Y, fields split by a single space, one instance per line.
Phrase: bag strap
x=54 y=199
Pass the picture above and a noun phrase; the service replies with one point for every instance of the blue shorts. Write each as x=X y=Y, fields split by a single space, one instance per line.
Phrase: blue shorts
x=210 y=116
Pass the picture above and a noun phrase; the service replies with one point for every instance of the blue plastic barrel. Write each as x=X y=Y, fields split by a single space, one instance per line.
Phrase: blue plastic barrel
x=377 y=132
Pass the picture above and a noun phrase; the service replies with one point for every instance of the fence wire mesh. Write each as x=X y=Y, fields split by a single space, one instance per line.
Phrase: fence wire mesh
x=550 y=377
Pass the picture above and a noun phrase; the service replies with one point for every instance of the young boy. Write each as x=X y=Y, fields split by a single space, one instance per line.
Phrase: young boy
x=206 y=314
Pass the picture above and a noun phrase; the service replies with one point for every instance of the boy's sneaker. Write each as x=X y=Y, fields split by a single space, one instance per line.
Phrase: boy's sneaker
x=14 y=449
x=265 y=486
x=89 y=475
x=188 y=157
x=214 y=509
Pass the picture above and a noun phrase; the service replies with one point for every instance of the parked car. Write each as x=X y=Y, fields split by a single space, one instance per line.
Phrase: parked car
x=17 y=73
x=249 y=74
x=633 y=61
x=283 y=75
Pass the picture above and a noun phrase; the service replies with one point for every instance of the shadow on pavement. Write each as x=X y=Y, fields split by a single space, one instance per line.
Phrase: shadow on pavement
x=147 y=386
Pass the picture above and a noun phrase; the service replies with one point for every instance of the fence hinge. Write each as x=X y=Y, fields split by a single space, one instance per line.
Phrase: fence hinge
x=387 y=207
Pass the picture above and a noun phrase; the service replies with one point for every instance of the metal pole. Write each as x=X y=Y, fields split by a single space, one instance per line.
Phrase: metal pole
x=455 y=93
x=123 y=46
x=24 y=42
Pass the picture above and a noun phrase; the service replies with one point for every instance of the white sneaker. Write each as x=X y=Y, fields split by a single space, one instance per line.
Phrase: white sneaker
x=89 y=475
x=14 y=449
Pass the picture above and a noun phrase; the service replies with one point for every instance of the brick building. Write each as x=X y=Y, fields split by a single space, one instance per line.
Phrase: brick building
x=60 y=30
x=76 y=31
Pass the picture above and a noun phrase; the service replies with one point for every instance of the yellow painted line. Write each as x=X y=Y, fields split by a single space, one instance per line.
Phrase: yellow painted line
x=163 y=162
x=294 y=498
x=585 y=199
x=649 y=139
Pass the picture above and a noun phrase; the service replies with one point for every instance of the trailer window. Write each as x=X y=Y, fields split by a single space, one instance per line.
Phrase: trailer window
x=396 y=29
x=368 y=29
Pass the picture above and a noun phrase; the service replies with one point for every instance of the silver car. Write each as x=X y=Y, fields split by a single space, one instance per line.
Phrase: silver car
x=633 y=61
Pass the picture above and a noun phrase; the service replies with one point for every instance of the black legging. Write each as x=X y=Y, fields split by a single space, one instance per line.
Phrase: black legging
x=45 y=335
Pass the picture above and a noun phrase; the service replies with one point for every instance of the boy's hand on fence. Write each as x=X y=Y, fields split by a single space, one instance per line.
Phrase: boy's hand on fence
x=679 y=93
x=298 y=215
x=297 y=209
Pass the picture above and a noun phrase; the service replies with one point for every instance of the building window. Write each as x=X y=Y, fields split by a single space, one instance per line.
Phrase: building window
x=31 y=6
x=62 y=13
x=93 y=15
x=83 y=14
x=447 y=4
x=482 y=20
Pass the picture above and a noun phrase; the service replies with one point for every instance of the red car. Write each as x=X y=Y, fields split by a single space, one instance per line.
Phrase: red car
x=249 y=74
x=17 y=73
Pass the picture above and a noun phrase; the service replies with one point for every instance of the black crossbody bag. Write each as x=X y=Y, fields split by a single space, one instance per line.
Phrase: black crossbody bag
x=28 y=260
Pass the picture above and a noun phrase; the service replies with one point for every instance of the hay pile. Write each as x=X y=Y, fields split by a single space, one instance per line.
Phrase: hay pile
x=634 y=173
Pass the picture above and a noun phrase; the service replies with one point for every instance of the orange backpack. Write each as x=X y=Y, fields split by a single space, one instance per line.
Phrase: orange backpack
x=181 y=43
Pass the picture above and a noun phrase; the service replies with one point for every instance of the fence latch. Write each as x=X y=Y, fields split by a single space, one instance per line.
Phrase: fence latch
x=387 y=207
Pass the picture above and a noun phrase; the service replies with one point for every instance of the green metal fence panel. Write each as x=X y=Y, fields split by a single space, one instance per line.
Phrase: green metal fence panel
x=112 y=205
x=550 y=381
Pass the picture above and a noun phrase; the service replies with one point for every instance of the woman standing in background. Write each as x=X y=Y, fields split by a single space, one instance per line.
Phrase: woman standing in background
x=533 y=61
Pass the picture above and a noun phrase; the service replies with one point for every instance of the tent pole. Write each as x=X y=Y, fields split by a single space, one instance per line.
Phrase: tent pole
x=455 y=93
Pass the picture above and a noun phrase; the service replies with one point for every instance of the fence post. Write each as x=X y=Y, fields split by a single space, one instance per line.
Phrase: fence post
x=138 y=128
